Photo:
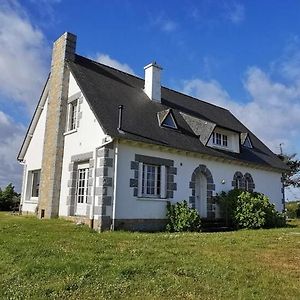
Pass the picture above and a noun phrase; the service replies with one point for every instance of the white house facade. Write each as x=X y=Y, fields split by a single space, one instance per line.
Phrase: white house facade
x=112 y=149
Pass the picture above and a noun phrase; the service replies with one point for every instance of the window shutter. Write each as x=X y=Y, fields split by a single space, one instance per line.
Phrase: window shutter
x=163 y=181
x=140 y=180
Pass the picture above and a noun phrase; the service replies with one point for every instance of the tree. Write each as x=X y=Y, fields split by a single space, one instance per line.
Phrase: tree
x=9 y=199
x=291 y=177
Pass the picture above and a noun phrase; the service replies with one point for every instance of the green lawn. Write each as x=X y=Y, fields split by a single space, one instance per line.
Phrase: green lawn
x=55 y=259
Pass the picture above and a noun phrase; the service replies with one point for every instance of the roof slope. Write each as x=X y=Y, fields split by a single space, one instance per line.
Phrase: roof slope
x=106 y=88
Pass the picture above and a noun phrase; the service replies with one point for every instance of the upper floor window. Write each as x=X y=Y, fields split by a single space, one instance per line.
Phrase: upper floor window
x=248 y=143
x=220 y=139
x=73 y=108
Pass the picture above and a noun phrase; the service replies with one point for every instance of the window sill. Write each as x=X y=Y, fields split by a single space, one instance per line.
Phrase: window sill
x=152 y=199
x=33 y=200
x=70 y=131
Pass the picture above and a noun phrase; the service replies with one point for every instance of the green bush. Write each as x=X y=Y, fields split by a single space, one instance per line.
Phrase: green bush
x=9 y=199
x=293 y=209
x=182 y=218
x=249 y=210
x=228 y=205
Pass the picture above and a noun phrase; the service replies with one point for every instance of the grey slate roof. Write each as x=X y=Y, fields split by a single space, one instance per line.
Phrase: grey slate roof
x=106 y=88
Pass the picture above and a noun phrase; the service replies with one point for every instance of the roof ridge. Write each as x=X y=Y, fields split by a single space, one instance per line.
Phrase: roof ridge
x=192 y=97
x=165 y=87
x=115 y=69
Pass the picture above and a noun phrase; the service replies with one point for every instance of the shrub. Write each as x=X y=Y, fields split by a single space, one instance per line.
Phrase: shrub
x=293 y=209
x=182 y=218
x=228 y=205
x=249 y=210
x=9 y=199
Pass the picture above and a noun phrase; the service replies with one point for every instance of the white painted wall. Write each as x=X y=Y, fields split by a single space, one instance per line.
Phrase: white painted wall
x=233 y=140
x=33 y=161
x=130 y=207
x=86 y=138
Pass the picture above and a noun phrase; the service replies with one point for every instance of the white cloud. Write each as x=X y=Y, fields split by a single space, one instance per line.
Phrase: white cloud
x=23 y=56
x=168 y=25
x=163 y=22
x=107 y=60
x=234 y=12
x=11 y=137
x=272 y=113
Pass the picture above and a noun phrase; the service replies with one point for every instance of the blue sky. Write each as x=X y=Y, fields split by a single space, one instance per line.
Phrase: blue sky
x=244 y=55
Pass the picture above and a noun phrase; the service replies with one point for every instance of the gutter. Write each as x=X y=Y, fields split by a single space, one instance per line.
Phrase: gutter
x=115 y=185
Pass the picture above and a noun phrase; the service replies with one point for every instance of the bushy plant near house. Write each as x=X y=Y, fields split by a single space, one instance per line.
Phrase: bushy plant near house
x=293 y=209
x=249 y=210
x=182 y=218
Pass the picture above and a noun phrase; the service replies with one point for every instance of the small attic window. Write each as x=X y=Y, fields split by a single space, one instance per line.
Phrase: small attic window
x=248 y=143
x=166 y=119
x=169 y=122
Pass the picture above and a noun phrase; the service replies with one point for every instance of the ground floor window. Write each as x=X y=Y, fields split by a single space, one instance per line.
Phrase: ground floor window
x=35 y=189
x=152 y=180
x=82 y=183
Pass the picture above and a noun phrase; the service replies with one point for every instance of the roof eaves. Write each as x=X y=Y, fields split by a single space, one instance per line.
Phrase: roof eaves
x=34 y=121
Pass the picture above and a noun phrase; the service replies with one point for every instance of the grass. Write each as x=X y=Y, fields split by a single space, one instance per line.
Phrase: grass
x=55 y=259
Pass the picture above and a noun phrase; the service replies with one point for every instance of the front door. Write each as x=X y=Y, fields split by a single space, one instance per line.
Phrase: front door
x=82 y=189
x=201 y=195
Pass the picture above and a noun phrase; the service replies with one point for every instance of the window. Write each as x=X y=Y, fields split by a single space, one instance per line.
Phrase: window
x=220 y=139
x=247 y=142
x=238 y=179
x=73 y=115
x=82 y=183
x=35 y=183
x=169 y=121
x=249 y=183
x=152 y=181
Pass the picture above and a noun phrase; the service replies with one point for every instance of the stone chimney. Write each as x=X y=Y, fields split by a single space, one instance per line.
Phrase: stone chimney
x=152 y=81
x=63 y=51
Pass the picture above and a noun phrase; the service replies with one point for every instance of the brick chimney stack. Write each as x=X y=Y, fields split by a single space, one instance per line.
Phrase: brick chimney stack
x=63 y=51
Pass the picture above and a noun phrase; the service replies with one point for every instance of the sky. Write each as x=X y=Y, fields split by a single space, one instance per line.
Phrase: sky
x=242 y=55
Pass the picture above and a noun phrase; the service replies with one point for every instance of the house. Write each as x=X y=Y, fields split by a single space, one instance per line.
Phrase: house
x=111 y=149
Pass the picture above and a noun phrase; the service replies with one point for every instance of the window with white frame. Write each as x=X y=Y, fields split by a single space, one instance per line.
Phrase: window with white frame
x=220 y=139
x=73 y=108
x=35 y=187
x=82 y=183
x=152 y=181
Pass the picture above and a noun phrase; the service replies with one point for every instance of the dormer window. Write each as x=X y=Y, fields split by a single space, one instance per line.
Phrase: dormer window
x=166 y=119
x=220 y=139
x=169 y=122
x=248 y=143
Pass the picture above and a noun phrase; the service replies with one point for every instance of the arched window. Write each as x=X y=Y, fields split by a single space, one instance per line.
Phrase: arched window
x=249 y=183
x=238 y=182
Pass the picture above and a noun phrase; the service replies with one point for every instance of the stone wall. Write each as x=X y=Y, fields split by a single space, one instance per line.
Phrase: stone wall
x=63 y=51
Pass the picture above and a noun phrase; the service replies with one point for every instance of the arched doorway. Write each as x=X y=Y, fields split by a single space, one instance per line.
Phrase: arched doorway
x=202 y=186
